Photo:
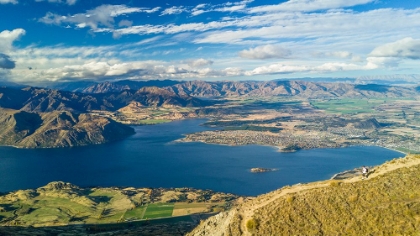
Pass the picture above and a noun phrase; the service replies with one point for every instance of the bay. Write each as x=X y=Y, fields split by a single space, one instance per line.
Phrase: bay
x=151 y=158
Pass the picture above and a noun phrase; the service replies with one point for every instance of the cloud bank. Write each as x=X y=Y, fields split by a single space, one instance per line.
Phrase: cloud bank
x=8 y=1
x=265 y=52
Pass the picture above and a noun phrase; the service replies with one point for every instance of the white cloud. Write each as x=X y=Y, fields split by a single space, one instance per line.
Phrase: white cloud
x=199 y=6
x=326 y=28
x=68 y=2
x=153 y=10
x=331 y=26
x=168 y=29
x=64 y=63
x=232 y=7
x=125 y=23
x=149 y=40
x=323 y=36
x=279 y=68
x=8 y=1
x=225 y=7
x=404 y=48
x=100 y=16
x=381 y=62
x=198 y=12
x=308 y=5
x=128 y=70
x=8 y=37
x=201 y=62
x=173 y=10
x=233 y=71
x=337 y=54
x=265 y=52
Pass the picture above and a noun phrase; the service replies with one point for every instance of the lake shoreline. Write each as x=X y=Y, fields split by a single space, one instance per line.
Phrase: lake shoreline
x=140 y=160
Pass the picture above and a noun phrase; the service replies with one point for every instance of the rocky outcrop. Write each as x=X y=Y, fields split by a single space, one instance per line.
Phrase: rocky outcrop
x=159 y=97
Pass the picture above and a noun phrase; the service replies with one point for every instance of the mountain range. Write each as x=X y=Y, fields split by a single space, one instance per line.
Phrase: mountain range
x=303 y=89
x=27 y=112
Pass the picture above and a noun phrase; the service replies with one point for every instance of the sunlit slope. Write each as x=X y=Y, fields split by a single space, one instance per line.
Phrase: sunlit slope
x=388 y=203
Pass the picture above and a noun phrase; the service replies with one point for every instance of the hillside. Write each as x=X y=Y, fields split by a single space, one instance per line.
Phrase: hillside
x=57 y=129
x=387 y=203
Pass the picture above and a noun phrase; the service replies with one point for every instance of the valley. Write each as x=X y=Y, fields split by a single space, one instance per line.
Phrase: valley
x=291 y=115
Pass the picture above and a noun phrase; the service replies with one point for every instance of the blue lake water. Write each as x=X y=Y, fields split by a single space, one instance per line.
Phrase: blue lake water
x=150 y=158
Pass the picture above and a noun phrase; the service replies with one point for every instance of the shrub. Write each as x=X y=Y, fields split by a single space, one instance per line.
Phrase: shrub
x=334 y=183
x=353 y=198
x=251 y=225
x=290 y=198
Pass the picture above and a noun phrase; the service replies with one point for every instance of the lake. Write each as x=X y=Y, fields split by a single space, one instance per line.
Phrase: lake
x=150 y=158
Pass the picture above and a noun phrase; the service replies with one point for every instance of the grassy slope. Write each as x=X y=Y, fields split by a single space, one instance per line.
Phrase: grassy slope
x=60 y=203
x=388 y=203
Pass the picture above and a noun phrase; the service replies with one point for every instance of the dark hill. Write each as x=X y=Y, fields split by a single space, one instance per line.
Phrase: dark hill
x=57 y=129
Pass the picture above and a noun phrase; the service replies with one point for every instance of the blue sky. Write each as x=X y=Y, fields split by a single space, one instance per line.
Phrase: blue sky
x=71 y=40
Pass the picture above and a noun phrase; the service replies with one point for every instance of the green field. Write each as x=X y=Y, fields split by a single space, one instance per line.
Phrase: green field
x=158 y=210
x=348 y=106
x=136 y=213
x=153 y=121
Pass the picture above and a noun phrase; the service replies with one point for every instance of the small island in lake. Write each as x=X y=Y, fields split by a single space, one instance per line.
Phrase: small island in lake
x=261 y=170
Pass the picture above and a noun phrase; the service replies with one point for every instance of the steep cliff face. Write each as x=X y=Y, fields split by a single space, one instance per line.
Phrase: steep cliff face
x=57 y=129
x=387 y=203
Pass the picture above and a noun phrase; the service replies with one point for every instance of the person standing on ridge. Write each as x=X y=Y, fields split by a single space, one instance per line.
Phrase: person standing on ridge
x=365 y=172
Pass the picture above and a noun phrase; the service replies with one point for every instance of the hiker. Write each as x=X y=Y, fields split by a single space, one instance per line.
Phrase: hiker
x=365 y=172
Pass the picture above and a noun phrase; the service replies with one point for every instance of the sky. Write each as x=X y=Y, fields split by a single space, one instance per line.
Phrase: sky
x=106 y=40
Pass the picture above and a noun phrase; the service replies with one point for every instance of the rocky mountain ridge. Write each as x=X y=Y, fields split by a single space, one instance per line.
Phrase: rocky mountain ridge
x=301 y=89
x=46 y=100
